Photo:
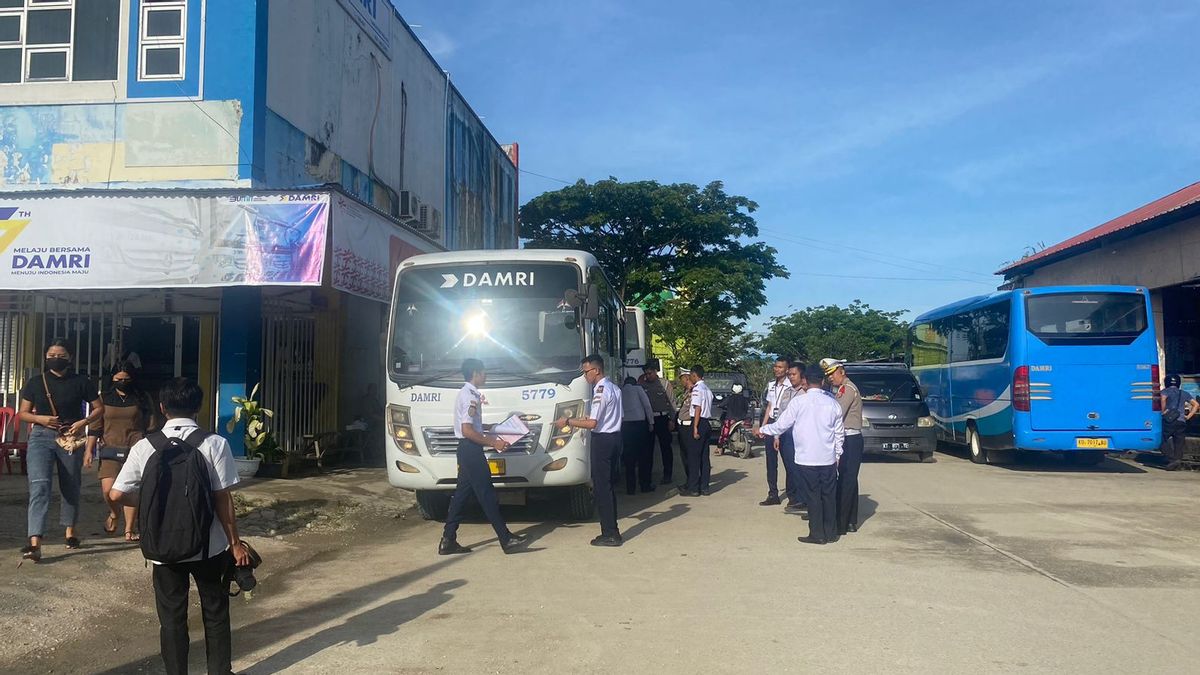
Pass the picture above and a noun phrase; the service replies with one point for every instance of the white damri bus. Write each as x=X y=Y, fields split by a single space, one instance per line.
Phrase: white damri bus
x=530 y=316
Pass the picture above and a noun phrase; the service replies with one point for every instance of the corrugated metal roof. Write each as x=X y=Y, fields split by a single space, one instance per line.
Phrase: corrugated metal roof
x=1172 y=202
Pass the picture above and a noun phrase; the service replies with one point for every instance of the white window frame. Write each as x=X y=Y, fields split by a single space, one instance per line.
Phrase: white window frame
x=147 y=42
x=27 y=49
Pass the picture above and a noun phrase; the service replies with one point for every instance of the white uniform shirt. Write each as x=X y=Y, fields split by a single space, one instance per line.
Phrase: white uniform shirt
x=777 y=397
x=468 y=409
x=702 y=396
x=635 y=404
x=606 y=407
x=222 y=473
x=815 y=419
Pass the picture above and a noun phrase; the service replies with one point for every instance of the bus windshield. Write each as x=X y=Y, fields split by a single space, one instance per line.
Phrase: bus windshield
x=512 y=316
x=1084 y=316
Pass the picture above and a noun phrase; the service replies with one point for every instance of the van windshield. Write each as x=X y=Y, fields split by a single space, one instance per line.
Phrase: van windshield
x=897 y=386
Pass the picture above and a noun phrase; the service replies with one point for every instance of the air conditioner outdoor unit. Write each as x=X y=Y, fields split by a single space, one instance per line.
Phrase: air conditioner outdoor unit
x=410 y=206
x=430 y=222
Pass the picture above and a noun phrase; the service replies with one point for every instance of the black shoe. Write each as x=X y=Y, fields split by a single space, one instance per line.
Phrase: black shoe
x=648 y=489
x=705 y=493
x=795 y=508
x=451 y=547
x=73 y=542
x=770 y=501
x=608 y=540
x=31 y=552
x=684 y=492
x=515 y=542
x=852 y=527
x=1173 y=466
x=833 y=541
x=810 y=540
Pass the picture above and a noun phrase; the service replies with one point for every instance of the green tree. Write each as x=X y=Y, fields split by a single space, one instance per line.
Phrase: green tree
x=651 y=237
x=855 y=333
x=695 y=336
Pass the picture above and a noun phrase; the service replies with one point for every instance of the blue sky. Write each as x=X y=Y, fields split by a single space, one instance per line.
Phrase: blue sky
x=951 y=134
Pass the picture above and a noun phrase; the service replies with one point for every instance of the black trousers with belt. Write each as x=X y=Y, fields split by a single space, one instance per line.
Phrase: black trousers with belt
x=637 y=454
x=474 y=481
x=699 y=464
x=606 y=447
x=1174 y=440
x=171 y=586
x=820 y=484
x=662 y=433
x=684 y=434
x=847 y=482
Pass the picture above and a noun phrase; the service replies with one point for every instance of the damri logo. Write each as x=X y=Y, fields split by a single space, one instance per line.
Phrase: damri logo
x=473 y=280
x=39 y=260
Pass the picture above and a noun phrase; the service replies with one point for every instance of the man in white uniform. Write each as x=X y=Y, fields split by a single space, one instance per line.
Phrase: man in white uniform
x=604 y=420
x=474 y=476
x=699 y=466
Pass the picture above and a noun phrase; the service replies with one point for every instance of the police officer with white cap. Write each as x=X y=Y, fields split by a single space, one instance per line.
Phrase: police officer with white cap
x=604 y=420
x=848 y=397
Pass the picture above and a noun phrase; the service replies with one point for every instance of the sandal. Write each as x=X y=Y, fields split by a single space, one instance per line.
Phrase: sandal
x=110 y=524
x=31 y=552
x=132 y=536
x=73 y=542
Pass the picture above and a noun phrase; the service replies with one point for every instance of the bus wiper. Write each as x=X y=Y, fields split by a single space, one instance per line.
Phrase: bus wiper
x=428 y=380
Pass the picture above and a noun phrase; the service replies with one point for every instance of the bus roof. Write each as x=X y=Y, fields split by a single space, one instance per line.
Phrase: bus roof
x=982 y=300
x=581 y=258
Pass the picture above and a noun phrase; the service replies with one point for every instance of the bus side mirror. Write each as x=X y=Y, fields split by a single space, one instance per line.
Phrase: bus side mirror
x=636 y=358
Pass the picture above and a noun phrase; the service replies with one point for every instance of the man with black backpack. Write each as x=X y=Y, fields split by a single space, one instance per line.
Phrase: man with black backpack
x=179 y=479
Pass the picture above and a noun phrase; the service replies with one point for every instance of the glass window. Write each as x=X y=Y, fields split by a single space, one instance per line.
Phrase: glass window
x=991 y=331
x=161 y=62
x=885 y=386
x=1086 y=316
x=162 y=39
x=48 y=27
x=10 y=66
x=929 y=345
x=165 y=23
x=59 y=40
x=47 y=65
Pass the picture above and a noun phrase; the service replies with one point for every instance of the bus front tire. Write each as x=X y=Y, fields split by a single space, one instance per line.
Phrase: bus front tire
x=979 y=454
x=433 y=504
x=580 y=504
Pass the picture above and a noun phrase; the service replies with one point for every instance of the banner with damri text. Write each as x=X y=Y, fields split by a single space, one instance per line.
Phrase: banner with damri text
x=162 y=241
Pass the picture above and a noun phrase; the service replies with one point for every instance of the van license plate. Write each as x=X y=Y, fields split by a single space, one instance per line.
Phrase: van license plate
x=1101 y=443
x=496 y=466
x=895 y=446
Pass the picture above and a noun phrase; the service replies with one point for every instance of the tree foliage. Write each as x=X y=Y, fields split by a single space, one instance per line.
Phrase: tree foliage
x=651 y=238
x=695 y=336
x=855 y=333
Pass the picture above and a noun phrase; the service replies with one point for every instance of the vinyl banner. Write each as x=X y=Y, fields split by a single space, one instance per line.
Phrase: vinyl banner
x=153 y=241
x=367 y=249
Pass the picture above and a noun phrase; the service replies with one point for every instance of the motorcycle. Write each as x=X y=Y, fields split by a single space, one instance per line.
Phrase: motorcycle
x=737 y=439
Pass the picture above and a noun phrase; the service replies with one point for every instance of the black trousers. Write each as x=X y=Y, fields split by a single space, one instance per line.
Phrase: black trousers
x=847 y=482
x=684 y=434
x=1174 y=440
x=637 y=453
x=662 y=433
x=786 y=455
x=820 y=484
x=474 y=481
x=699 y=463
x=171 y=586
x=605 y=450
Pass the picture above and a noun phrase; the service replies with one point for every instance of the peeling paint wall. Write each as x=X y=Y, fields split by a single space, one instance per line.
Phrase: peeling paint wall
x=481 y=183
x=51 y=146
x=343 y=109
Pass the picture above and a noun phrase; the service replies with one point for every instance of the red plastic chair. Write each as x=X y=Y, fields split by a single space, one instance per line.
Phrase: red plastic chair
x=11 y=445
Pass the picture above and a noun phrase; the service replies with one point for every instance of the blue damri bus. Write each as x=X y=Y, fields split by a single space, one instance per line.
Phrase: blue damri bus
x=1070 y=369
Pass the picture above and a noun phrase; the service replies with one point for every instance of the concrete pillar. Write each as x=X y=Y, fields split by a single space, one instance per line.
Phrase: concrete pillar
x=240 y=354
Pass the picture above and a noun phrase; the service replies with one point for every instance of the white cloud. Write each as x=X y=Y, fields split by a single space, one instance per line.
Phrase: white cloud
x=440 y=44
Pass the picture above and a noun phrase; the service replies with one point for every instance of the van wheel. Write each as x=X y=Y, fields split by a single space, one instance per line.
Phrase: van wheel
x=926 y=457
x=979 y=455
x=580 y=503
x=433 y=504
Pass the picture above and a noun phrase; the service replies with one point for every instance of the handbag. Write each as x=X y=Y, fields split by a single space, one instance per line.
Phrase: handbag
x=113 y=453
x=66 y=439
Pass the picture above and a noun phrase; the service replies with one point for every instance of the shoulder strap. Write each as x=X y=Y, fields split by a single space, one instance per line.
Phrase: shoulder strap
x=46 y=386
x=159 y=440
x=195 y=438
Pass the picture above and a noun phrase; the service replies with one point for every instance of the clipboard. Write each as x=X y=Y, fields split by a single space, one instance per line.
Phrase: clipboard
x=512 y=429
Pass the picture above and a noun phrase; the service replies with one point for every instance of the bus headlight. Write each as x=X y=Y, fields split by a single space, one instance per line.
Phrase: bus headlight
x=400 y=427
x=925 y=422
x=556 y=465
x=561 y=435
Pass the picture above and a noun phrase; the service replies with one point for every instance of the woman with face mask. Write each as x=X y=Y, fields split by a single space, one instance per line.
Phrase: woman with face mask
x=54 y=403
x=128 y=417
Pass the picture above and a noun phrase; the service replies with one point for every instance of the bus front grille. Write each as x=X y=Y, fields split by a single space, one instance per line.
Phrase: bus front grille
x=441 y=441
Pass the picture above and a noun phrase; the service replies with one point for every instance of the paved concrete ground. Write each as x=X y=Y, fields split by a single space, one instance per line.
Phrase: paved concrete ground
x=957 y=568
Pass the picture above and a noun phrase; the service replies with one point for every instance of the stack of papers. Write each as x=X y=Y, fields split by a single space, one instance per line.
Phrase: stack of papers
x=511 y=429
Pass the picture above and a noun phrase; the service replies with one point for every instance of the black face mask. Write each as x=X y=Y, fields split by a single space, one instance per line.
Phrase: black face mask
x=58 y=364
x=123 y=387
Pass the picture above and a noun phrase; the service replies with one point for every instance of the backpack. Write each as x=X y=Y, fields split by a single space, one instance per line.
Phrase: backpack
x=175 y=506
